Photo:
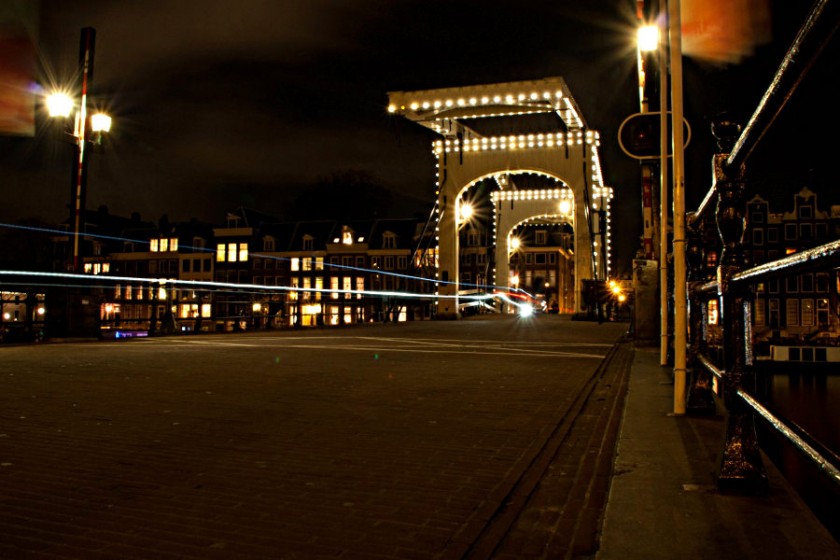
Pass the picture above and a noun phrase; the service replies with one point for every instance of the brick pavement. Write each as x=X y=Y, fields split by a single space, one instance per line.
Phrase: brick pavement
x=383 y=442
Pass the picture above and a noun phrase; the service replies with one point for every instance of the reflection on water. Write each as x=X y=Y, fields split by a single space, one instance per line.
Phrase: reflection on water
x=810 y=398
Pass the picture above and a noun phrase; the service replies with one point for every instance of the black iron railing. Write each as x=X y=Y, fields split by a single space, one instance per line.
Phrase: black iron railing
x=720 y=343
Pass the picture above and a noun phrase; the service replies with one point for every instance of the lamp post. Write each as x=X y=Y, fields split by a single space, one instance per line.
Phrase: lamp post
x=86 y=131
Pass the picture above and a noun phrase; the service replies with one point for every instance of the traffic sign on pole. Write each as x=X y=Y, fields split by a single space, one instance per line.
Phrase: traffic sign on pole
x=638 y=135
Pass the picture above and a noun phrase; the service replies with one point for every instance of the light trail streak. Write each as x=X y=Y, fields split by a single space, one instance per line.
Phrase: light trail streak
x=252 y=288
x=146 y=242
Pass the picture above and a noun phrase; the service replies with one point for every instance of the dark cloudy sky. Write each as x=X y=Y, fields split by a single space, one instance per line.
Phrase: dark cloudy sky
x=219 y=104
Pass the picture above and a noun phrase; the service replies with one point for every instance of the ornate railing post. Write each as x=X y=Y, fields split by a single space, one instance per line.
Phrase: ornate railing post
x=700 y=400
x=741 y=467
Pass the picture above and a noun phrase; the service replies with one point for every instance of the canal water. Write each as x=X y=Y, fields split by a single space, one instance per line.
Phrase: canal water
x=808 y=396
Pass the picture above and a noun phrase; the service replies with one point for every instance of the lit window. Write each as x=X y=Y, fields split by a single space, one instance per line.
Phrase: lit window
x=347 y=286
x=153 y=246
x=231 y=249
x=173 y=244
x=347 y=237
x=712 y=312
x=360 y=286
x=295 y=264
x=319 y=263
x=164 y=245
x=759 y=312
x=307 y=284
x=220 y=252
x=88 y=268
x=106 y=267
x=334 y=287
x=243 y=252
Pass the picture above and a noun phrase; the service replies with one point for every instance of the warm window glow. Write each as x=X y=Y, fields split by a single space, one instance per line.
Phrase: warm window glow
x=712 y=312
x=220 y=252
x=154 y=246
x=173 y=244
x=231 y=248
x=295 y=264
x=347 y=237
x=164 y=245
x=243 y=252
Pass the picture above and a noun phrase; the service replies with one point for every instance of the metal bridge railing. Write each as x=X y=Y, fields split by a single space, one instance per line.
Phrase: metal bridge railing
x=720 y=343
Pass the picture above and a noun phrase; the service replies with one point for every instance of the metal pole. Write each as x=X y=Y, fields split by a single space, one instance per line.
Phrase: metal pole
x=663 y=187
x=86 y=46
x=680 y=324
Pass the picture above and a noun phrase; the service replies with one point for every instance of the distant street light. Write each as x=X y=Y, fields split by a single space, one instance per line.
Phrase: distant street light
x=86 y=131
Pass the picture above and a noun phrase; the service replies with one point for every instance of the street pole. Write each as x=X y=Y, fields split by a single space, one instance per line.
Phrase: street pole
x=78 y=194
x=680 y=303
x=663 y=186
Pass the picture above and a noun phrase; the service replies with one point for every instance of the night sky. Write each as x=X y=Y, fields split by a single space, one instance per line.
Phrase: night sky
x=222 y=104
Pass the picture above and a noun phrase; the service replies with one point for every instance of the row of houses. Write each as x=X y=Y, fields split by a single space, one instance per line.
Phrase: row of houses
x=257 y=272
x=798 y=308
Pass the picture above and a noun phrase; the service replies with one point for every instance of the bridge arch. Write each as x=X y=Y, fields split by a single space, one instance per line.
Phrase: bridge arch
x=469 y=151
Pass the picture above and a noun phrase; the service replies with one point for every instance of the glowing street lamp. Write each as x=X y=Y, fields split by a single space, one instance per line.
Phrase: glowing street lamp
x=648 y=38
x=565 y=207
x=85 y=131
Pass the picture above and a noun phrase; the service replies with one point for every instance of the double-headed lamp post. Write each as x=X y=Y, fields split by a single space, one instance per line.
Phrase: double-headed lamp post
x=86 y=131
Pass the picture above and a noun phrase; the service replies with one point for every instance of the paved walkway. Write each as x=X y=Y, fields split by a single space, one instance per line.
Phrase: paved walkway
x=663 y=501
x=146 y=451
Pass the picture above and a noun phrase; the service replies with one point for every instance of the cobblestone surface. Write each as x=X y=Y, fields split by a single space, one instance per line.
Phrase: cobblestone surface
x=386 y=441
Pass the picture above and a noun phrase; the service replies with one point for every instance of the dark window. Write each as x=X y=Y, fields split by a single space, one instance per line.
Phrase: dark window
x=808 y=283
x=806 y=231
x=186 y=265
